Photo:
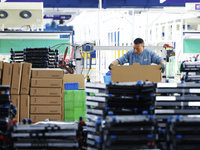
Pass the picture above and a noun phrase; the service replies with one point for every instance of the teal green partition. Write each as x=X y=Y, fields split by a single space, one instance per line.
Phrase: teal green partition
x=20 y=44
x=191 y=46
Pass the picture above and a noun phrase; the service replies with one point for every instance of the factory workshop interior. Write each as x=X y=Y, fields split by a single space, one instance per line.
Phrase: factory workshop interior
x=100 y=74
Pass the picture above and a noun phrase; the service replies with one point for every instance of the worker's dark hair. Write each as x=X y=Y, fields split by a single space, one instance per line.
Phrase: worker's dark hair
x=138 y=41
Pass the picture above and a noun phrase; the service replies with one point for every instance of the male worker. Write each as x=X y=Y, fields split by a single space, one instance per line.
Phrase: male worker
x=139 y=55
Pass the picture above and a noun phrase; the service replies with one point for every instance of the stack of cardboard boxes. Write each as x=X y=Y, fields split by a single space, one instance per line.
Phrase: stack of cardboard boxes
x=6 y=80
x=7 y=74
x=37 y=93
x=17 y=75
x=25 y=90
x=15 y=86
x=46 y=94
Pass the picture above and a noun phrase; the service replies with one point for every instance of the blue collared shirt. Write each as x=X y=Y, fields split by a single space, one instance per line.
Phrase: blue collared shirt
x=145 y=58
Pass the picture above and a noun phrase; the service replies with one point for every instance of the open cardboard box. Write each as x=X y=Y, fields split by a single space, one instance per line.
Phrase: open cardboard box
x=136 y=72
x=74 y=78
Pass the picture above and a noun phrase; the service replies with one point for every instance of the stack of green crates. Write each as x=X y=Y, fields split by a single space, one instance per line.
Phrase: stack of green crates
x=74 y=101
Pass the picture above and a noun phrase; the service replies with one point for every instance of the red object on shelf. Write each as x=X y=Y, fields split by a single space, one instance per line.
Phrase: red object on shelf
x=167 y=46
x=82 y=122
x=1 y=137
x=72 y=53
x=63 y=62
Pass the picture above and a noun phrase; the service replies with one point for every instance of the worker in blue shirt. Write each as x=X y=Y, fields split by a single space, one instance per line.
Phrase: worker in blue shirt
x=139 y=55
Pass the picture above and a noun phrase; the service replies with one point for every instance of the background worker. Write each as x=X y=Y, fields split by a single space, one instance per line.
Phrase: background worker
x=139 y=55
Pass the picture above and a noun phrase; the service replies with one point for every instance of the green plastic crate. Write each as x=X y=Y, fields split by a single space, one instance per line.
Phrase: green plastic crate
x=69 y=115
x=74 y=100
x=78 y=105
x=69 y=95
x=79 y=96
x=69 y=119
x=84 y=112
x=85 y=107
x=78 y=112
x=69 y=106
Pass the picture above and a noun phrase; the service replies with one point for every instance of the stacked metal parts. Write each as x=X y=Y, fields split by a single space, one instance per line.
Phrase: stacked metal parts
x=8 y=112
x=129 y=132
x=95 y=101
x=120 y=116
x=41 y=135
x=191 y=71
x=39 y=57
x=184 y=133
x=45 y=135
x=176 y=100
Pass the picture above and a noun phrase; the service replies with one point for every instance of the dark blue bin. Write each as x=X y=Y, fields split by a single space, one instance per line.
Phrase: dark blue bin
x=71 y=86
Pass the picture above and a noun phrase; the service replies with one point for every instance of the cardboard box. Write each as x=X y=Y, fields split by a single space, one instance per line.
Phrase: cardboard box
x=47 y=73
x=0 y=77
x=0 y=74
x=74 y=78
x=46 y=82
x=45 y=100
x=45 y=92
x=42 y=117
x=63 y=107
x=136 y=72
x=26 y=76
x=16 y=78
x=24 y=107
x=45 y=109
x=7 y=74
x=16 y=102
x=1 y=65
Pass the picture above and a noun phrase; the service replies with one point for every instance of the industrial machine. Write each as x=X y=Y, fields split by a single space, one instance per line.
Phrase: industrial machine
x=18 y=14
x=75 y=63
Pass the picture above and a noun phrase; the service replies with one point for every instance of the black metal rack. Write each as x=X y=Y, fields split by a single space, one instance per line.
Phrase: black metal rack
x=184 y=133
x=128 y=103
x=45 y=135
x=191 y=70
x=39 y=57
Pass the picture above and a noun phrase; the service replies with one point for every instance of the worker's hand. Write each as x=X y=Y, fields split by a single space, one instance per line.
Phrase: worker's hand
x=162 y=68
x=110 y=66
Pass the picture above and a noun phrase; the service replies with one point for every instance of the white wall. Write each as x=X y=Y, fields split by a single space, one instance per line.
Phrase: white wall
x=103 y=27
x=150 y=25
